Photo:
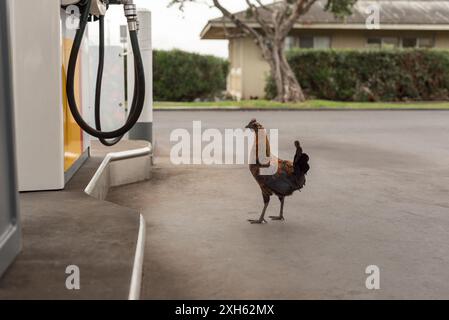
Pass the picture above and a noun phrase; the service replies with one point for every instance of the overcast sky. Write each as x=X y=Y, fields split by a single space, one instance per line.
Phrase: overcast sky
x=175 y=29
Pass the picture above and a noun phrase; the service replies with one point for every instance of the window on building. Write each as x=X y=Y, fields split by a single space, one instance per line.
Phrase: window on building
x=394 y=42
x=425 y=42
x=321 y=42
x=374 y=43
x=390 y=43
x=409 y=42
x=290 y=43
x=382 y=42
x=306 y=42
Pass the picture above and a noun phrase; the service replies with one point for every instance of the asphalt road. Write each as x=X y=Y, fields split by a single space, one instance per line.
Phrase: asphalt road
x=377 y=194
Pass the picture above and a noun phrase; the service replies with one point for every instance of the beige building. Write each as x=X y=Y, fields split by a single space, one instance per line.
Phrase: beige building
x=402 y=24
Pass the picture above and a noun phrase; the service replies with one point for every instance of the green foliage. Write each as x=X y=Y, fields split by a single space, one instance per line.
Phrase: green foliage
x=377 y=75
x=340 y=8
x=184 y=76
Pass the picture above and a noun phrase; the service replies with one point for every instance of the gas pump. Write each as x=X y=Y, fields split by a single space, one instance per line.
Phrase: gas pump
x=45 y=108
x=96 y=9
x=56 y=112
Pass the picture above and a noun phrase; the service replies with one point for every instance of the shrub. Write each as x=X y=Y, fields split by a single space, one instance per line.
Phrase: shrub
x=184 y=76
x=381 y=75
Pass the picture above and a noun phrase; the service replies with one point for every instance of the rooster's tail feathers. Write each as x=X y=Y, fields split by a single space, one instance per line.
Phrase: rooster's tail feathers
x=303 y=163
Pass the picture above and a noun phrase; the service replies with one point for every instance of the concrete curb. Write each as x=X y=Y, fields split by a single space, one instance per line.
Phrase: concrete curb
x=136 y=278
x=106 y=177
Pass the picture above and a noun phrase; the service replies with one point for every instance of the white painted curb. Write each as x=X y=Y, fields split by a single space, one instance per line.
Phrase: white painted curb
x=136 y=279
x=98 y=186
x=112 y=157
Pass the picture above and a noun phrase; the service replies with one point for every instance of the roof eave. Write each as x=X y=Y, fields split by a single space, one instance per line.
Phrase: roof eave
x=355 y=26
x=205 y=30
x=205 y=33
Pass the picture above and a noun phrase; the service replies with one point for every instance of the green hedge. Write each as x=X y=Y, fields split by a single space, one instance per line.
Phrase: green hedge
x=382 y=75
x=184 y=76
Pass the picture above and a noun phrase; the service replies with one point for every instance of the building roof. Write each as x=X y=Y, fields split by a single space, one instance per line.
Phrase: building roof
x=394 y=15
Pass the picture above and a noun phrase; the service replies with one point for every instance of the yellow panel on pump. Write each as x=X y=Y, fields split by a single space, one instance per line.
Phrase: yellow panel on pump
x=73 y=135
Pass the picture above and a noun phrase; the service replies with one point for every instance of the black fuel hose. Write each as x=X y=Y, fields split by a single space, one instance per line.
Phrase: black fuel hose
x=108 y=143
x=139 y=89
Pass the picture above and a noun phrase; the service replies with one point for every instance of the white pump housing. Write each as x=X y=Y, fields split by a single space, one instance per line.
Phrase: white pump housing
x=97 y=8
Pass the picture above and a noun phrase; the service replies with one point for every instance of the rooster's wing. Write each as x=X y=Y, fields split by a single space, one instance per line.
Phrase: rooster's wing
x=284 y=182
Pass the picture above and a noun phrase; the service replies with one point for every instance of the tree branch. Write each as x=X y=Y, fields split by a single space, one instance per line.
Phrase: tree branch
x=301 y=7
x=238 y=23
x=259 y=39
x=264 y=6
x=264 y=25
x=233 y=35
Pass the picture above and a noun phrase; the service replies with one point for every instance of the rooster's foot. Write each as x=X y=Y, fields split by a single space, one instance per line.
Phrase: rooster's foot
x=277 y=218
x=263 y=221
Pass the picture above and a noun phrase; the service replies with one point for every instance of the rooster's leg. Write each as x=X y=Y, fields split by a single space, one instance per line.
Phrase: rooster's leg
x=281 y=214
x=266 y=200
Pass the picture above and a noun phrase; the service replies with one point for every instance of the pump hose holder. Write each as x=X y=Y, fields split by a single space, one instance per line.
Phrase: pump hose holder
x=139 y=74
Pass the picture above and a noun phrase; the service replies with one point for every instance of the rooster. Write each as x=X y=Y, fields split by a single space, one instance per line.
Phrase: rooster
x=290 y=176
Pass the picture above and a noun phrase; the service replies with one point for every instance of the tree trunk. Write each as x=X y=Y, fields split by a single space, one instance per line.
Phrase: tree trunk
x=288 y=87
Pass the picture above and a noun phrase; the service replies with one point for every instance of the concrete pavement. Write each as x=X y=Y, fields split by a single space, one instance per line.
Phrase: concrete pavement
x=69 y=227
x=377 y=194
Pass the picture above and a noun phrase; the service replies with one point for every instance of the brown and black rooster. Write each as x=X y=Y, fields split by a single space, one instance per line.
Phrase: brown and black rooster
x=290 y=176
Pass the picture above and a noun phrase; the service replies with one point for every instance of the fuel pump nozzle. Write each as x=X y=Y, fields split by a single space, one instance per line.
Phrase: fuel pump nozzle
x=130 y=12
